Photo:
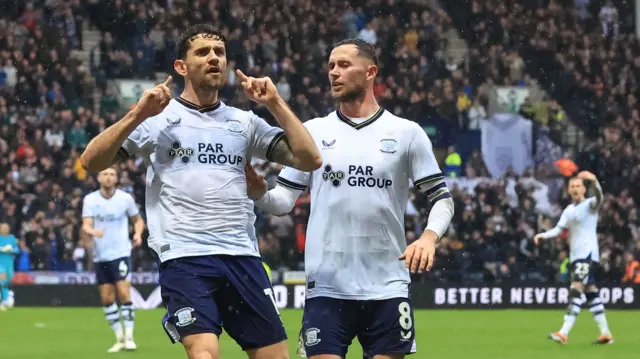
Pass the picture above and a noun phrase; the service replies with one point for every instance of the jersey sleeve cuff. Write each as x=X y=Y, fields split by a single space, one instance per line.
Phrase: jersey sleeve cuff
x=277 y=138
x=285 y=182
x=123 y=153
x=428 y=179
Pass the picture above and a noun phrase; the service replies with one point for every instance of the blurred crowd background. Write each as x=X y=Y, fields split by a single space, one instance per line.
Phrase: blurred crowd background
x=61 y=63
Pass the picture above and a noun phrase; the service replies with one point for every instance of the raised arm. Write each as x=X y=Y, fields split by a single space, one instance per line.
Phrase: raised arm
x=594 y=186
x=297 y=148
x=106 y=148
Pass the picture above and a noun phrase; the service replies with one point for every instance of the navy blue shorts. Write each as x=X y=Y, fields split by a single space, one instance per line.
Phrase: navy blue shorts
x=113 y=271
x=583 y=270
x=381 y=326
x=206 y=294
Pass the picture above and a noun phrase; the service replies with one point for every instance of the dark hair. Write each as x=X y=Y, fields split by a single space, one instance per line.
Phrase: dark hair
x=365 y=49
x=184 y=40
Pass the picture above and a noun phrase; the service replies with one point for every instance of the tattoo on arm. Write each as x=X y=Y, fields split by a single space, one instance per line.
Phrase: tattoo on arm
x=281 y=153
x=598 y=194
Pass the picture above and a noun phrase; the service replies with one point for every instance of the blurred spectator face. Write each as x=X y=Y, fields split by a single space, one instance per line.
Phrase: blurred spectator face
x=4 y=229
x=107 y=178
x=204 y=64
x=628 y=256
x=577 y=189
x=350 y=73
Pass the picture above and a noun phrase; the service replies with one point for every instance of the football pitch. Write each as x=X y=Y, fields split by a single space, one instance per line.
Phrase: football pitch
x=81 y=333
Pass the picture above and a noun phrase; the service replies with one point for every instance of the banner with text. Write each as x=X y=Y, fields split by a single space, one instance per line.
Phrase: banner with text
x=506 y=141
x=424 y=296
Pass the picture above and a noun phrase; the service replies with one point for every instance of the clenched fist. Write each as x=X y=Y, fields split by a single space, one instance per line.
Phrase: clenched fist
x=261 y=90
x=154 y=100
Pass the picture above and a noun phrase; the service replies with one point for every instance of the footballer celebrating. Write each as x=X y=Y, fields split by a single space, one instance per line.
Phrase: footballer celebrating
x=581 y=219
x=201 y=222
x=357 y=261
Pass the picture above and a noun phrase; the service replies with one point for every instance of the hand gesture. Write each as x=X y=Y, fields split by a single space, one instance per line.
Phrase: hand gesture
x=261 y=90
x=419 y=255
x=137 y=240
x=536 y=239
x=586 y=175
x=98 y=233
x=256 y=184
x=154 y=100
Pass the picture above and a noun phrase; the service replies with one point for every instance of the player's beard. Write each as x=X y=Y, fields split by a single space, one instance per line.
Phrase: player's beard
x=353 y=94
x=211 y=86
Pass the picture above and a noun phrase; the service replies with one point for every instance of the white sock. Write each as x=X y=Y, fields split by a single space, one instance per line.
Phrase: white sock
x=597 y=309
x=569 y=321
x=571 y=316
x=117 y=330
x=128 y=315
x=112 y=315
x=128 y=331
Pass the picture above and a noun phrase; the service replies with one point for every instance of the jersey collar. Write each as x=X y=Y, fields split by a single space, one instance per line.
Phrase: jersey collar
x=193 y=106
x=362 y=124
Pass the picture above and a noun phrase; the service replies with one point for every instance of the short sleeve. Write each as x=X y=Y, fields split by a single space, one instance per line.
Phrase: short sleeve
x=564 y=219
x=139 y=141
x=87 y=208
x=293 y=178
x=264 y=138
x=423 y=165
x=132 y=208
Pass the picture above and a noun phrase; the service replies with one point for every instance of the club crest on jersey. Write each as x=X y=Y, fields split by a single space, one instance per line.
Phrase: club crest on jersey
x=234 y=126
x=328 y=145
x=177 y=151
x=388 y=145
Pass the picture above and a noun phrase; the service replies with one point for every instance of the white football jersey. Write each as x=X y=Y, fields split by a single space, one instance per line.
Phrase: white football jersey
x=111 y=215
x=581 y=220
x=196 y=191
x=359 y=197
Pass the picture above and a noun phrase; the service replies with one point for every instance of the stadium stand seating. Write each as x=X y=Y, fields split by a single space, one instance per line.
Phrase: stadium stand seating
x=52 y=103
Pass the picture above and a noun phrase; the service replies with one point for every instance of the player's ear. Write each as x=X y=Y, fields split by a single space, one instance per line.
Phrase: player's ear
x=180 y=66
x=372 y=72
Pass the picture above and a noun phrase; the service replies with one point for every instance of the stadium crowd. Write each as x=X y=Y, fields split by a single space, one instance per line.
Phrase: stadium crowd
x=48 y=114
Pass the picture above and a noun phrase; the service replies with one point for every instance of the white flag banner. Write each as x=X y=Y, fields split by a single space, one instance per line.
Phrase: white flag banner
x=154 y=301
x=507 y=142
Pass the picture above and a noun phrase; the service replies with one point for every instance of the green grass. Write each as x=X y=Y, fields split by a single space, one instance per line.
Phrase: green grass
x=82 y=333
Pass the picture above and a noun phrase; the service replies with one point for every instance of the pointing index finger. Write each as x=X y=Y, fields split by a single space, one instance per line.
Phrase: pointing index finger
x=169 y=81
x=241 y=75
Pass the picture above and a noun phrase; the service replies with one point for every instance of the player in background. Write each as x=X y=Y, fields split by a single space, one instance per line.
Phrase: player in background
x=8 y=251
x=581 y=219
x=105 y=218
x=357 y=260
x=201 y=222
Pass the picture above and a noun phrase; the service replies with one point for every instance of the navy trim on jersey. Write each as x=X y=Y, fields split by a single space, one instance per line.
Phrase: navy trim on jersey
x=363 y=124
x=285 y=182
x=193 y=106
x=428 y=179
x=272 y=145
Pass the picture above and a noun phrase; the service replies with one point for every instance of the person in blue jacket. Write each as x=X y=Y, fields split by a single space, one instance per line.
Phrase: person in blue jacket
x=8 y=250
